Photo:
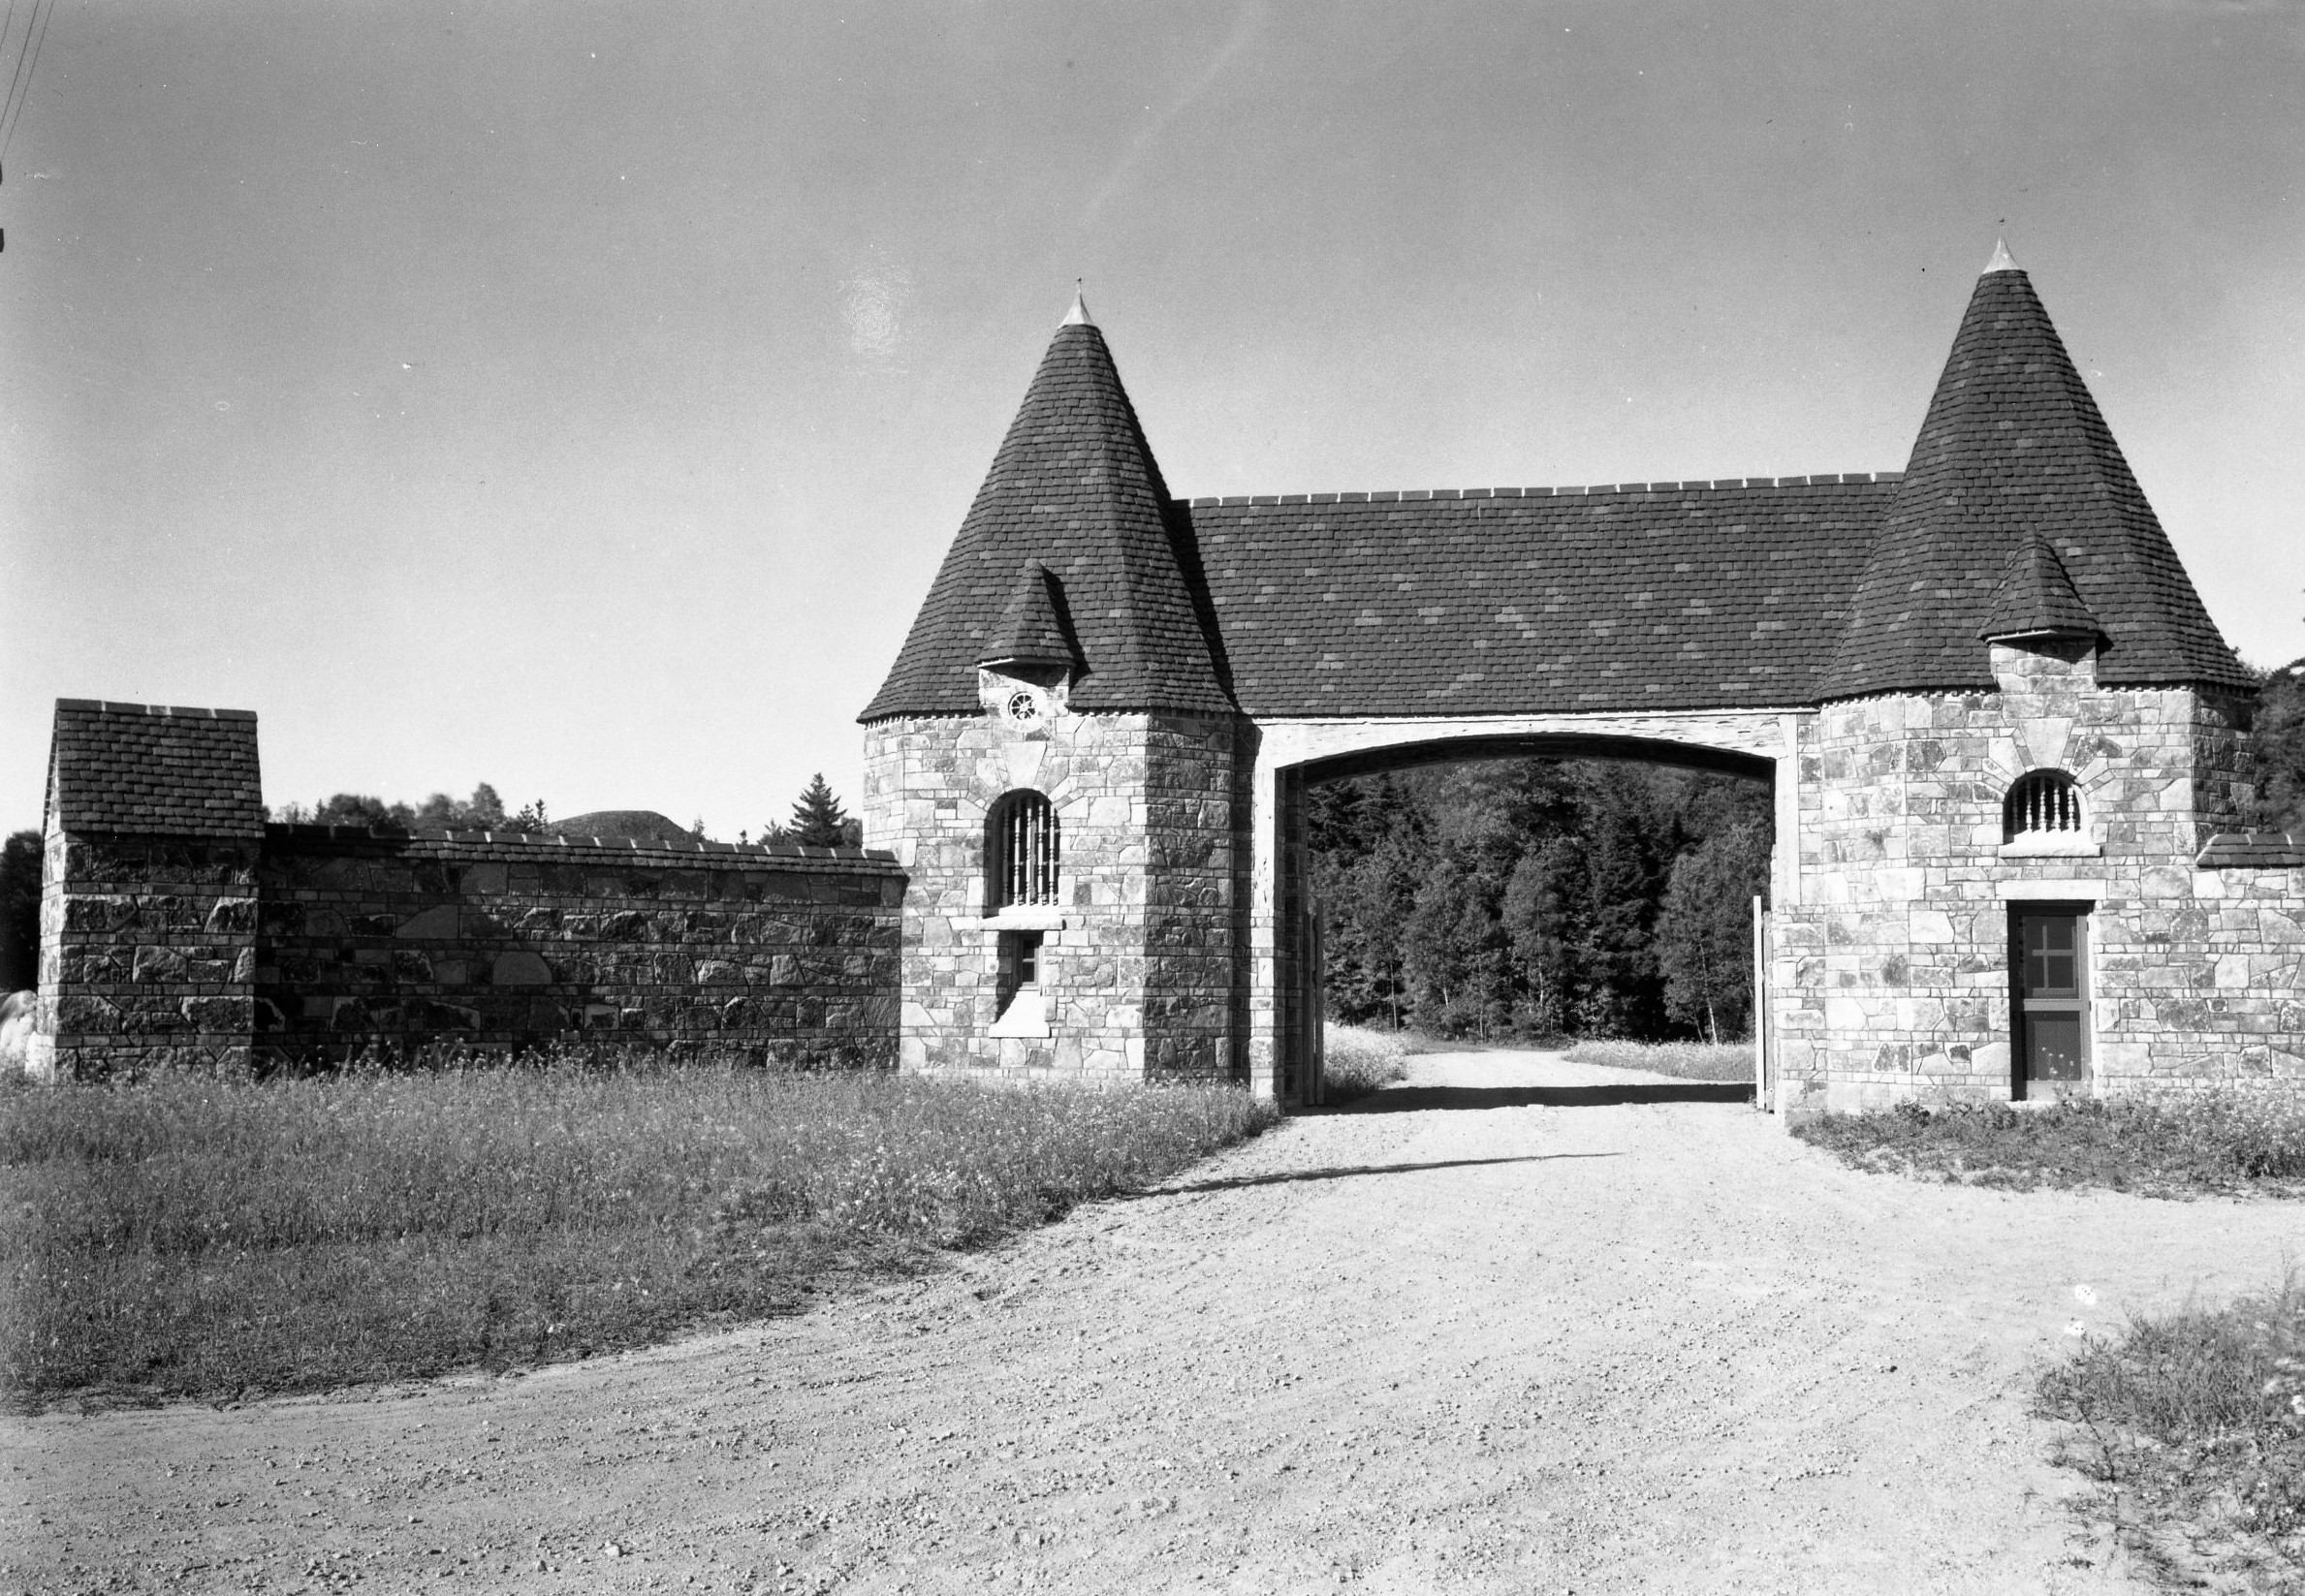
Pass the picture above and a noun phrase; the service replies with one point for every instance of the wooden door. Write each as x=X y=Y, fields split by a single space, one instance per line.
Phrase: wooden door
x=2049 y=948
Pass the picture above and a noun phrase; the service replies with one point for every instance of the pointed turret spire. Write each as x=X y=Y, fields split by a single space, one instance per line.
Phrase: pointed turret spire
x=2001 y=260
x=1078 y=315
x=2037 y=599
x=2013 y=447
x=1074 y=486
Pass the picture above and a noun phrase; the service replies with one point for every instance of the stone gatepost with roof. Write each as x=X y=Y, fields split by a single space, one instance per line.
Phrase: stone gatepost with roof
x=154 y=826
x=1999 y=727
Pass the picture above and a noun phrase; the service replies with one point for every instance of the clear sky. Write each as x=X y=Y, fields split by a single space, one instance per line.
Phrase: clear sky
x=579 y=397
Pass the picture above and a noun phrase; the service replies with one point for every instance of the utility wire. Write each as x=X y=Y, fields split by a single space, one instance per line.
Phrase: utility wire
x=30 y=63
x=7 y=27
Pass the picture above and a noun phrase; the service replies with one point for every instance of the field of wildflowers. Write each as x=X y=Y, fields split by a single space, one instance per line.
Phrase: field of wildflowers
x=191 y=1236
x=2193 y=1426
x=2220 y=1142
x=1688 y=1060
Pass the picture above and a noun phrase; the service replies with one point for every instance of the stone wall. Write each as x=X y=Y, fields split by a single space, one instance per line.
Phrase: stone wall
x=1892 y=976
x=147 y=944
x=1142 y=963
x=393 y=940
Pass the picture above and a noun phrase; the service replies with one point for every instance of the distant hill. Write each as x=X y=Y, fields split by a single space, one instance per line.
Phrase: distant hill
x=621 y=825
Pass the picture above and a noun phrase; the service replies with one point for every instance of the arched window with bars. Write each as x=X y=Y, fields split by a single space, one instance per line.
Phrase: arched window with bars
x=2044 y=805
x=1020 y=853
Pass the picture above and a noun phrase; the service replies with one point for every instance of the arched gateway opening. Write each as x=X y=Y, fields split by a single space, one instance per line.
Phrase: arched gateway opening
x=1894 y=653
x=1748 y=746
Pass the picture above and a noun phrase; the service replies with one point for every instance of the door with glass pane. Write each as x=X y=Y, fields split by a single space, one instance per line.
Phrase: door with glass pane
x=2049 y=948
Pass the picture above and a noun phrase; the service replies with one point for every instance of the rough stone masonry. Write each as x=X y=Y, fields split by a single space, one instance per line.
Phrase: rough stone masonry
x=175 y=923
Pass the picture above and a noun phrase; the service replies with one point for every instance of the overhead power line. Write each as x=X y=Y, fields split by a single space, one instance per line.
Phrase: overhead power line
x=19 y=83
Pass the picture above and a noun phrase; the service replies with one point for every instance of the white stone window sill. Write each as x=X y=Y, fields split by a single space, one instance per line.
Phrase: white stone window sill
x=1023 y=918
x=1026 y=1015
x=2051 y=845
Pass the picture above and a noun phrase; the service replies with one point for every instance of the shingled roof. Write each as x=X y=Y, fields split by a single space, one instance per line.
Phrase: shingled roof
x=2013 y=447
x=1075 y=486
x=1537 y=601
x=2018 y=516
x=140 y=767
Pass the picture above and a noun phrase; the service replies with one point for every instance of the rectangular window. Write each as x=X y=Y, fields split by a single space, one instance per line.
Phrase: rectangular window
x=2049 y=999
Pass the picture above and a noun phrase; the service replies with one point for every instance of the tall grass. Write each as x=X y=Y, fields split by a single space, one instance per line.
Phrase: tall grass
x=2195 y=1423
x=1688 y=1060
x=195 y=1237
x=2225 y=1142
x=1356 y=1060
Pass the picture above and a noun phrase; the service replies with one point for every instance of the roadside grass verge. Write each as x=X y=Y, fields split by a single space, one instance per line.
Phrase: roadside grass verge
x=2225 y=1143
x=1688 y=1060
x=1357 y=1060
x=2193 y=1426
x=188 y=1237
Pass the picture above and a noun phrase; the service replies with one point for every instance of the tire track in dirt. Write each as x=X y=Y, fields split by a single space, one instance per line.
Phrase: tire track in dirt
x=1637 y=1346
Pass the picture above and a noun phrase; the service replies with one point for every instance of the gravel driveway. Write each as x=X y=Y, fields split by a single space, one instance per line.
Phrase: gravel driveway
x=1517 y=1324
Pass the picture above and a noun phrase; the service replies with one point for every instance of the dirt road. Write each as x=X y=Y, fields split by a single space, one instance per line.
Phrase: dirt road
x=1516 y=1326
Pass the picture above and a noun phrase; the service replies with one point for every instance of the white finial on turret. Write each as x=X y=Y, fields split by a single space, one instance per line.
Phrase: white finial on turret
x=1078 y=315
x=2001 y=260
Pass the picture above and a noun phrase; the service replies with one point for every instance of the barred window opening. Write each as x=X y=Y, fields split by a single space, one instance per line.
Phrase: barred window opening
x=2043 y=804
x=1022 y=851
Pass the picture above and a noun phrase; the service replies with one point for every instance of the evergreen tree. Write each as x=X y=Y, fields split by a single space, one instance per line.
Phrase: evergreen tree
x=1623 y=989
x=20 y=912
x=2274 y=762
x=1704 y=934
x=818 y=820
x=1539 y=917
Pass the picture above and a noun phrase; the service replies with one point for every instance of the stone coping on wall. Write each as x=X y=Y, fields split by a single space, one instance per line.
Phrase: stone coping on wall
x=659 y=852
x=2253 y=850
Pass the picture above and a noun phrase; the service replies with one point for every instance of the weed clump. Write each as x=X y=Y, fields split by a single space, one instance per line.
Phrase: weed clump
x=1357 y=1060
x=1686 y=1060
x=2222 y=1142
x=187 y=1235
x=2193 y=1426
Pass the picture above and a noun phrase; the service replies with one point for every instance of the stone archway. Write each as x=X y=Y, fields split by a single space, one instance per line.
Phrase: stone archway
x=1293 y=755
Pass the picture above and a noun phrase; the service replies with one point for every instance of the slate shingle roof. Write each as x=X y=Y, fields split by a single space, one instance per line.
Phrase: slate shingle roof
x=1643 y=596
x=145 y=768
x=2034 y=598
x=2013 y=446
x=1075 y=486
x=1662 y=595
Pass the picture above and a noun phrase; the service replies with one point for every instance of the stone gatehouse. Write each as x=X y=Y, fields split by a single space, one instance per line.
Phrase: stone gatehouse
x=2001 y=729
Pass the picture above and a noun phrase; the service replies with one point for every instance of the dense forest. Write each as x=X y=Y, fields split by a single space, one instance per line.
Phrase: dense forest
x=1538 y=896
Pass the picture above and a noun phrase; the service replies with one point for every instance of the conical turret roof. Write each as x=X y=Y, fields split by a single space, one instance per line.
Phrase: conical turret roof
x=1075 y=486
x=2012 y=449
x=2037 y=599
